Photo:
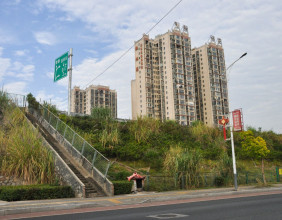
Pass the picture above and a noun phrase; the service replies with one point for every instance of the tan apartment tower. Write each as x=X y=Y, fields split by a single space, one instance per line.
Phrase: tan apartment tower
x=82 y=101
x=164 y=87
x=210 y=82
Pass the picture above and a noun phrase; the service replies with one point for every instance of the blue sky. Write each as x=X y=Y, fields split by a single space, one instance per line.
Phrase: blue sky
x=33 y=33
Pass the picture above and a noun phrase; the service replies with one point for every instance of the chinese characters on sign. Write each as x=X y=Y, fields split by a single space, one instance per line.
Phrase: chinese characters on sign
x=61 y=67
x=237 y=120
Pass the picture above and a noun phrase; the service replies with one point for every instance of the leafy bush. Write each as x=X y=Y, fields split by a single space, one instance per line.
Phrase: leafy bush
x=122 y=187
x=120 y=176
x=219 y=181
x=35 y=192
x=32 y=103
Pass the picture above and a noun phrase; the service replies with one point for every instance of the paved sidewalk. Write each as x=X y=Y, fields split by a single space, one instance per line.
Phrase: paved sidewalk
x=23 y=207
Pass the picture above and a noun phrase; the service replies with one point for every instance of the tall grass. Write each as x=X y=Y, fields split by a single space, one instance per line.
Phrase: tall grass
x=22 y=151
x=185 y=163
x=3 y=102
x=143 y=127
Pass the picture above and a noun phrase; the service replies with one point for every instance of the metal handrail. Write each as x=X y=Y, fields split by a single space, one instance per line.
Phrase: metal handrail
x=78 y=136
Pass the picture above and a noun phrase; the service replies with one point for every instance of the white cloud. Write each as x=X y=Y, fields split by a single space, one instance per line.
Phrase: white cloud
x=38 y=51
x=5 y=64
x=27 y=73
x=45 y=37
x=60 y=103
x=21 y=53
x=6 y=37
x=15 y=70
x=16 y=87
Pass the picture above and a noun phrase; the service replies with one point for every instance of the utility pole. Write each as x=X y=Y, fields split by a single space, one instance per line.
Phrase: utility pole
x=233 y=153
x=231 y=134
x=70 y=79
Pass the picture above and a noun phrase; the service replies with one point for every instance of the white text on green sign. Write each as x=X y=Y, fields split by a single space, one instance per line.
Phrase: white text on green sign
x=61 y=67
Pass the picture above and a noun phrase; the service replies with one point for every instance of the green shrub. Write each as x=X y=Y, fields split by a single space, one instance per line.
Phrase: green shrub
x=219 y=181
x=34 y=192
x=32 y=103
x=120 y=176
x=122 y=187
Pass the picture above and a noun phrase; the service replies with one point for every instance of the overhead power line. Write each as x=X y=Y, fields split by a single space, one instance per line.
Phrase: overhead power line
x=119 y=58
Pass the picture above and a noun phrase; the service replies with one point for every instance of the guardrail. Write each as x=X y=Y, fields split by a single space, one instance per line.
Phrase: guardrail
x=19 y=100
x=93 y=156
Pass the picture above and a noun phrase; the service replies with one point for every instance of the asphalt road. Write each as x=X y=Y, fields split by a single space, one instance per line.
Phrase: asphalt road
x=257 y=207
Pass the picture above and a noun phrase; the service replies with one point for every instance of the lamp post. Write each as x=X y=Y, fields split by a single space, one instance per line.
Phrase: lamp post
x=236 y=61
x=231 y=134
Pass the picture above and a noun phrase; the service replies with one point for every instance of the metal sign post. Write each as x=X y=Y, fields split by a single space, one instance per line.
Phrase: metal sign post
x=70 y=79
x=236 y=124
x=61 y=70
x=233 y=154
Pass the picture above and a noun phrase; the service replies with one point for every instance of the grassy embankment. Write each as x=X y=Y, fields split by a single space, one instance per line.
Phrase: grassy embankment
x=21 y=150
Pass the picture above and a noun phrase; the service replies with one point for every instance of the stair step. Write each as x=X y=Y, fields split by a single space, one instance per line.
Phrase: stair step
x=90 y=189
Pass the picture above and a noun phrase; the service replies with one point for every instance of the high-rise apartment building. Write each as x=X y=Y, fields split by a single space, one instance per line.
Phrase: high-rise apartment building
x=82 y=101
x=210 y=82
x=164 y=84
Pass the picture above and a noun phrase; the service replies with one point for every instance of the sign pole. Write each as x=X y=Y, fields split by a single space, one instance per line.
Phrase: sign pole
x=233 y=153
x=70 y=79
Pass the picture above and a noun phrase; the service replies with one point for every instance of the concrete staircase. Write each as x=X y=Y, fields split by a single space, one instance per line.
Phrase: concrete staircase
x=91 y=188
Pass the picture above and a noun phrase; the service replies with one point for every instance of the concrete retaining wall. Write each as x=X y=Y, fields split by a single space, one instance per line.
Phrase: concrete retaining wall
x=10 y=181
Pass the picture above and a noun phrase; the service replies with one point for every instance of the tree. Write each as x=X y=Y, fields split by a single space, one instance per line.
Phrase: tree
x=255 y=147
x=32 y=101
x=51 y=108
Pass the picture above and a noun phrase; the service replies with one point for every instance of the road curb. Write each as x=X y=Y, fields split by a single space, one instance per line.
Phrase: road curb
x=143 y=198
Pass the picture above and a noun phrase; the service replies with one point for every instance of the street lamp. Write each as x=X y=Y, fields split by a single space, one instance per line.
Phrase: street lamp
x=231 y=133
x=236 y=61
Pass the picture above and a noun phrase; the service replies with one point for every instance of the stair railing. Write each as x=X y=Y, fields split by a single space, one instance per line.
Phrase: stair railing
x=85 y=149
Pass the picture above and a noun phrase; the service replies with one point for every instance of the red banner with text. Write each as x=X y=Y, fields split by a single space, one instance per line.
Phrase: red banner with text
x=237 y=120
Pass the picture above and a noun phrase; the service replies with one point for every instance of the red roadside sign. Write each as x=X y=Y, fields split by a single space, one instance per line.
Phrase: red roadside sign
x=237 y=120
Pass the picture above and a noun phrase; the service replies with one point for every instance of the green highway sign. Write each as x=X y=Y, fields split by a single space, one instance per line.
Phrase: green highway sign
x=61 y=67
